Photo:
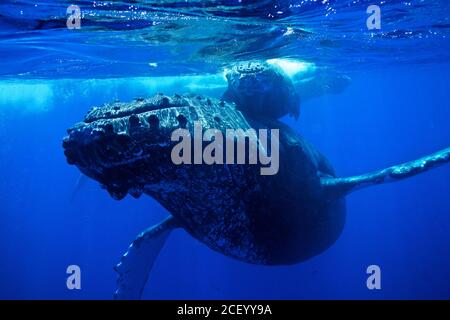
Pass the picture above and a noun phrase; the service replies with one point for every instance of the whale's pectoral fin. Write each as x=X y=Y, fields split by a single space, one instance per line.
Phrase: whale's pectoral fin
x=135 y=265
x=321 y=84
x=78 y=186
x=342 y=186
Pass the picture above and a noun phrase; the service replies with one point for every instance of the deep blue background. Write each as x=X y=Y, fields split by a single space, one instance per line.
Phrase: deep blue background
x=383 y=118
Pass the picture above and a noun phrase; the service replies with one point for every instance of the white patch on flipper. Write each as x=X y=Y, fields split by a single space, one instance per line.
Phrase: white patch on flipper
x=136 y=264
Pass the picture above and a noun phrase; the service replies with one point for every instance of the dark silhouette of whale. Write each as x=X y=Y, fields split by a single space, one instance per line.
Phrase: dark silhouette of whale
x=276 y=219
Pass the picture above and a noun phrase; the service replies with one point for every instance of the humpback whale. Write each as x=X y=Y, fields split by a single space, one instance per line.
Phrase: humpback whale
x=277 y=219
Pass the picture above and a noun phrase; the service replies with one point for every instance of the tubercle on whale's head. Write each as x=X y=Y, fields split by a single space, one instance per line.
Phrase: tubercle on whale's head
x=127 y=146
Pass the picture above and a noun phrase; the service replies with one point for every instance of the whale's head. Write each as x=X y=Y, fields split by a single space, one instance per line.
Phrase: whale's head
x=126 y=146
x=261 y=89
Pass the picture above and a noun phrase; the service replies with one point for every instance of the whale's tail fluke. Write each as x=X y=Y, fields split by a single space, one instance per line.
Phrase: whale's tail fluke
x=342 y=186
x=137 y=262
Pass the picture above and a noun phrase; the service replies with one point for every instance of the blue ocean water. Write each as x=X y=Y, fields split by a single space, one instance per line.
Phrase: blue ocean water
x=396 y=108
